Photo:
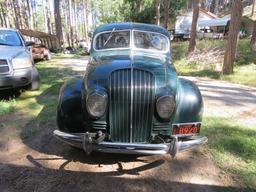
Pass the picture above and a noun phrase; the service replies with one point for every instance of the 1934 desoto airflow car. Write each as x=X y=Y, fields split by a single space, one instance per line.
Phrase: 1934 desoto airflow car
x=130 y=99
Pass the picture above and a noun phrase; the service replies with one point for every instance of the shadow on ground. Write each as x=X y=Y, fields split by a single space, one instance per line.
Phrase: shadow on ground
x=9 y=94
x=44 y=179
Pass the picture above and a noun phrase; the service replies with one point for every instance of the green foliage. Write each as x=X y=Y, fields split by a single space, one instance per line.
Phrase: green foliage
x=233 y=147
x=142 y=11
x=175 y=7
x=108 y=10
x=139 y=11
x=7 y=107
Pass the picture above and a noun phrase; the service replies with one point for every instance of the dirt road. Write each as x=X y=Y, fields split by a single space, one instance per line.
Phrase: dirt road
x=42 y=163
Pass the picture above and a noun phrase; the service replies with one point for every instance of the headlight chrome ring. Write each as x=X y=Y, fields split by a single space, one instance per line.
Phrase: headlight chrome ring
x=96 y=103
x=165 y=106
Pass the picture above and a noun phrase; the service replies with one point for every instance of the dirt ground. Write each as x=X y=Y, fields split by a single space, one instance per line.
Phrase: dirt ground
x=42 y=163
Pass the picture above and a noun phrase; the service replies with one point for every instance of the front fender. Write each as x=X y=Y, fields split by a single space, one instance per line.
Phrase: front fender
x=189 y=106
x=70 y=111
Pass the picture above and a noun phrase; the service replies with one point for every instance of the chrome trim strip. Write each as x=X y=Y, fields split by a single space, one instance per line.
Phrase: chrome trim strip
x=131 y=108
x=178 y=124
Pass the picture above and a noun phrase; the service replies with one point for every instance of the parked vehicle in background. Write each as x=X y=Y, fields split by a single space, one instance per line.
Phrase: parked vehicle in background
x=40 y=51
x=171 y=33
x=130 y=99
x=209 y=34
x=17 y=68
x=69 y=50
x=179 y=35
x=85 y=45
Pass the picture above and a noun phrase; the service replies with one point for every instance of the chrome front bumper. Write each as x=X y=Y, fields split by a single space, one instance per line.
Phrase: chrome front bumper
x=88 y=142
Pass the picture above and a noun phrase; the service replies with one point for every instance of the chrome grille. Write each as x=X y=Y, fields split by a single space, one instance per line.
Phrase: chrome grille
x=131 y=107
x=4 y=67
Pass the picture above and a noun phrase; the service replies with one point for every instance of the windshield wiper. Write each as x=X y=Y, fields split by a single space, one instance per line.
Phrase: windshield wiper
x=109 y=37
x=5 y=44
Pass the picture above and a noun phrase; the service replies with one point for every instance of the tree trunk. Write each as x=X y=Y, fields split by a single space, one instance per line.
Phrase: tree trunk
x=157 y=12
x=3 y=15
x=19 y=12
x=58 y=24
x=192 y=42
x=166 y=12
x=85 y=20
x=235 y=24
x=16 y=17
x=253 y=39
x=24 y=15
x=67 y=38
x=216 y=8
x=75 y=22
x=212 y=6
x=1 y=20
x=30 y=14
x=71 y=24
x=7 y=6
x=48 y=15
x=45 y=16
x=253 y=7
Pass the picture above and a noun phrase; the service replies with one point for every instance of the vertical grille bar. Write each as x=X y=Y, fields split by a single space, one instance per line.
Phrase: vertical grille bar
x=142 y=105
x=120 y=102
x=120 y=105
x=4 y=67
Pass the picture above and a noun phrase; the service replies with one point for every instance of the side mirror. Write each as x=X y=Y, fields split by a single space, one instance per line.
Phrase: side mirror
x=29 y=43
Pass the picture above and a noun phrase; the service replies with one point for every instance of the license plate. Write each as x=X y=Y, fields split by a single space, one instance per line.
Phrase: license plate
x=186 y=129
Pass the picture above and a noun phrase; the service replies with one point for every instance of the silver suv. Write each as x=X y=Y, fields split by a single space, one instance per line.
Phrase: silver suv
x=17 y=68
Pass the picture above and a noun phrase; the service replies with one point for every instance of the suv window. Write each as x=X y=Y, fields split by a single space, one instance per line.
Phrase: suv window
x=10 y=38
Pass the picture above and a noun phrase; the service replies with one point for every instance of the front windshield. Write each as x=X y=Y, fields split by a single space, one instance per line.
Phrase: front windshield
x=151 y=41
x=113 y=40
x=9 y=38
x=121 y=39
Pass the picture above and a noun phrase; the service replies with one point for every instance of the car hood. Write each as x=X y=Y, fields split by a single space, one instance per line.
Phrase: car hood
x=99 y=70
x=9 y=52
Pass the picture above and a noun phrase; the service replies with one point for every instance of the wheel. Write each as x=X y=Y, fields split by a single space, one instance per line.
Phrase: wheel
x=171 y=37
x=35 y=81
x=48 y=56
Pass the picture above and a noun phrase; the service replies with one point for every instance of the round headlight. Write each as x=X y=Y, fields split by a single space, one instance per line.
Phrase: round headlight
x=96 y=104
x=165 y=106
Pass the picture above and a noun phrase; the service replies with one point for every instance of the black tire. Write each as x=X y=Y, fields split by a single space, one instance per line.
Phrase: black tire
x=48 y=56
x=35 y=81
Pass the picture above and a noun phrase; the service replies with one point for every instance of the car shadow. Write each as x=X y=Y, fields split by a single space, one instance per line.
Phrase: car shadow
x=45 y=179
x=9 y=94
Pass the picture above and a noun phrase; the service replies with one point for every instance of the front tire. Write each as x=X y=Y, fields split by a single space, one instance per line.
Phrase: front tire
x=35 y=81
x=48 y=56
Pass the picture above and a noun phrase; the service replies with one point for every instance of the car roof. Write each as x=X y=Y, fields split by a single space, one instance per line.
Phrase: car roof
x=10 y=29
x=128 y=26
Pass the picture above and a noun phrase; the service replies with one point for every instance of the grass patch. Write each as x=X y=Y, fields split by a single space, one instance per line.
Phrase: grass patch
x=38 y=107
x=7 y=107
x=233 y=147
x=207 y=61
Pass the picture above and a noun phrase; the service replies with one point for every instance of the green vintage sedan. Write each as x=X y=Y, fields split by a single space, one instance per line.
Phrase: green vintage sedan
x=130 y=99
